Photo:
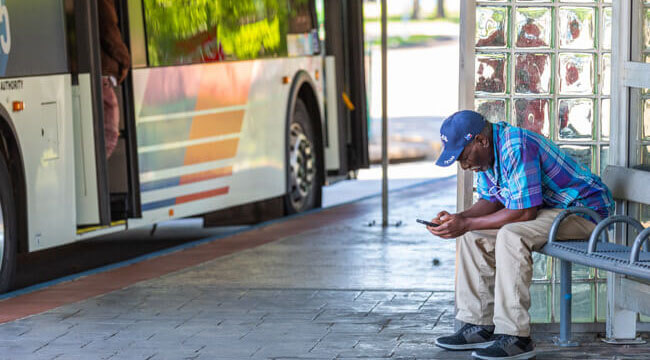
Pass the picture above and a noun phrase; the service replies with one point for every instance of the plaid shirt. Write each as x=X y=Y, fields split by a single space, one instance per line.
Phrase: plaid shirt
x=530 y=170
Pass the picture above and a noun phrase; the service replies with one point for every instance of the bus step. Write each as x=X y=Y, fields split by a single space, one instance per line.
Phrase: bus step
x=119 y=206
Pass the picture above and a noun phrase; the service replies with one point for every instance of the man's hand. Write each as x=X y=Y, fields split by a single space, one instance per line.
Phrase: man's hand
x=439 y=219
x=123 y=72
x=452 y=225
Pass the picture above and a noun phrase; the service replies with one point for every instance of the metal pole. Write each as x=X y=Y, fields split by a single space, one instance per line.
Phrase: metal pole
x=565 y=304
x=384 y=117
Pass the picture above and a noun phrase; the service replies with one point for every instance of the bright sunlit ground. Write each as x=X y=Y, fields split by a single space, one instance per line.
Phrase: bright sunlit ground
x=369 y=181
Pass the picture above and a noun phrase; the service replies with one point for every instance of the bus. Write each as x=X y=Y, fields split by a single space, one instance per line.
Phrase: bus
x=230 y=108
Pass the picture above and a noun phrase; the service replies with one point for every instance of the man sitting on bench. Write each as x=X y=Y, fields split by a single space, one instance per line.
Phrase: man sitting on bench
x=524 y=181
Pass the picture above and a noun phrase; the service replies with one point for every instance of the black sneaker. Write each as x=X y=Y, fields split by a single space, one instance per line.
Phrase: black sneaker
x=507 y=347
x=469 y=337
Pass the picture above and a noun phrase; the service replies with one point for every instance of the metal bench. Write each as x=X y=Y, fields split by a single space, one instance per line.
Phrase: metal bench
x=627 y=260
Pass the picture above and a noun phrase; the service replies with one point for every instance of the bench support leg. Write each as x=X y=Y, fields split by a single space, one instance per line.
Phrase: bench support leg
x=565 y=306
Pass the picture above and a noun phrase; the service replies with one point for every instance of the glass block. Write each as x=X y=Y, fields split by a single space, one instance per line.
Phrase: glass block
x=491 y=73
x=643 y=158
x=606 y=74
x=646 y=28
x=582 y=154
x=583 y=302
x=601 y=274
x=646 y=119
x=541 y=266
x=491 y=26
x=605 y=118
x=604 y=157
x=540 y=301
x=606 y=35
x=644 y=215
x=534 y=26
x=647 y=60
x=576 y=27
x=575 y=119
x=578 y=272
x=533 y=114
x=602 y=303
x=533 y=74
x=576 y=73
x=494 y=110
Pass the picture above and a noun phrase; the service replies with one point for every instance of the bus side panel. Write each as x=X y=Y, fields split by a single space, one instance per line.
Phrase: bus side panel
x=212 y=136
x=45 y=133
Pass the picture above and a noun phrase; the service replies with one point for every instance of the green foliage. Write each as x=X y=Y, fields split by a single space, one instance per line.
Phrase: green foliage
x=246 y=29
x=250 y=40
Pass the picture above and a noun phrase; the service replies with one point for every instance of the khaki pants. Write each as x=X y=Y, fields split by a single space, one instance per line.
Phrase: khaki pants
x=494 y=269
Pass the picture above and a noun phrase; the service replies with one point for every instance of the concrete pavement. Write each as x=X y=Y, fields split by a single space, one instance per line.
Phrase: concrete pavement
x=320 y=286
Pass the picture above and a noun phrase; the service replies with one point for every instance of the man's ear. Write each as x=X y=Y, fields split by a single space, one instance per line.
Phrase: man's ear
x=482 y=140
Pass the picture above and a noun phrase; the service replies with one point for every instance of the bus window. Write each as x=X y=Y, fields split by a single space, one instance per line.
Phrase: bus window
x=302 y=39
x=189 y=32
x=320 y=16
x=300 y=17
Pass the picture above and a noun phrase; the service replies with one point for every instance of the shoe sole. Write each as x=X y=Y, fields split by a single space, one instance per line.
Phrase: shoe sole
x=472 y=346
x=522 y=356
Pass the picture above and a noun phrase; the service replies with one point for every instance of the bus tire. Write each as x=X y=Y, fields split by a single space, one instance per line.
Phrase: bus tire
x=304 y=174
x=8 y=231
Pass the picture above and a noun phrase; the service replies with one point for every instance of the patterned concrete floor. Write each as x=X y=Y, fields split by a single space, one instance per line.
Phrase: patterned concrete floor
x=334 y=292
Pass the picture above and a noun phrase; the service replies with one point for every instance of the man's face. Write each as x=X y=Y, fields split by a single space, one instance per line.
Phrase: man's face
x=477 y=155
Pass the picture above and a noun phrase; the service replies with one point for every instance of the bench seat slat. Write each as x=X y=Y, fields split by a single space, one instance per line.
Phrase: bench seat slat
x=609 y=256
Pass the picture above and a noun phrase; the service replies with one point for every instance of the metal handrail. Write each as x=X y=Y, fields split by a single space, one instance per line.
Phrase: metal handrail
x=609 y=221
x=636 y=247
x=568 y=212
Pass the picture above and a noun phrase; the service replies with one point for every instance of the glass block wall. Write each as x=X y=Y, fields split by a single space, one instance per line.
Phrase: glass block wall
x=545 y=66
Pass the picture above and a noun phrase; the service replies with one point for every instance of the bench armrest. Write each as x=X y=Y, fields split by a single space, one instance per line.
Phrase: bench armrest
x=609 y=221
x=565 y=214
x=638 y=241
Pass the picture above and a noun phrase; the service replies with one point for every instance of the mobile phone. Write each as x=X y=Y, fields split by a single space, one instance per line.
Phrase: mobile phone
x=427 y=223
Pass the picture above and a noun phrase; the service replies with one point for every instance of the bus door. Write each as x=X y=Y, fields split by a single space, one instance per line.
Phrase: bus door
x=124 y=164
x=344 y=50
x=105 y=187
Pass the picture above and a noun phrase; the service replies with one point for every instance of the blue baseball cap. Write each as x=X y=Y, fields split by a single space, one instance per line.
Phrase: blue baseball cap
x=456 y=132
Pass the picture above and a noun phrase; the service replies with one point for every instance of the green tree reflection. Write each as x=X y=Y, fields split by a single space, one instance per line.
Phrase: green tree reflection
x=189 y=31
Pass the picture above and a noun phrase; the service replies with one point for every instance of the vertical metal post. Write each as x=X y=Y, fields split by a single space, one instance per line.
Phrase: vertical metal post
x=565 y=304
x=621 y=323
x=384 y=117
x=467 y=38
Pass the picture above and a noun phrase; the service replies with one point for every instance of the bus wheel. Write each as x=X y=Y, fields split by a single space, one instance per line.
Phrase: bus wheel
x=304 y=177
x=7 y=229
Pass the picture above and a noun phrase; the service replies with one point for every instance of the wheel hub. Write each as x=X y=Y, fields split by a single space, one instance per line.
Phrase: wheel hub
x=301 y=165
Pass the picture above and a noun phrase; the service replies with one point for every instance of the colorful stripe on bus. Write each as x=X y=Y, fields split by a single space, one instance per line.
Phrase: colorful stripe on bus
x=189 y=122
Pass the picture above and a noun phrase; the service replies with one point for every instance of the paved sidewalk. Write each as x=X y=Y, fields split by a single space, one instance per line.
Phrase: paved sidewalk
x=331 y=287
